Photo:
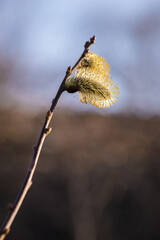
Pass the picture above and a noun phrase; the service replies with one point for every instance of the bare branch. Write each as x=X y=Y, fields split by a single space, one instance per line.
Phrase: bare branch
x=14 y=208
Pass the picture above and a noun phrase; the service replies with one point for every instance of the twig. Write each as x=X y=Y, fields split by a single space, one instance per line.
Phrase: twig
x=13 y=209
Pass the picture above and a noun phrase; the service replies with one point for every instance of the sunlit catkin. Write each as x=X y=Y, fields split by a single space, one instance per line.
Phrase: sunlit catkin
x=92 y=82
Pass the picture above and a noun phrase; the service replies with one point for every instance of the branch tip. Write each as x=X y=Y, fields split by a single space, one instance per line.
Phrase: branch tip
x=89 y=43
x=93 y=39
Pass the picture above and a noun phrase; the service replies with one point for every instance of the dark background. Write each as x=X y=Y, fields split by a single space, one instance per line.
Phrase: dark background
x=98 y=177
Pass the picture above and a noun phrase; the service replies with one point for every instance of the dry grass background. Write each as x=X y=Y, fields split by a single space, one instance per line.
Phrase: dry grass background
x=98 y=177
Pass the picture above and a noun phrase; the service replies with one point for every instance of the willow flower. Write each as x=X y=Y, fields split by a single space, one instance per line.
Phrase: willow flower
x=92 y=82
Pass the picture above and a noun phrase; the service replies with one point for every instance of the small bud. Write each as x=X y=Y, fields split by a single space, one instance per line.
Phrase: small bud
x=49 y=113
x=69 y=69
x=47 y=130
x=93 y=39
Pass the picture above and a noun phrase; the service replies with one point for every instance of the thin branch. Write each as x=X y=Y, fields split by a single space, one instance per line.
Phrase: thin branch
x=13 y=209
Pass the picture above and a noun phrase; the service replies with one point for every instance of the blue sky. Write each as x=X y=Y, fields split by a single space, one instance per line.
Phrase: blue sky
x=44 y=37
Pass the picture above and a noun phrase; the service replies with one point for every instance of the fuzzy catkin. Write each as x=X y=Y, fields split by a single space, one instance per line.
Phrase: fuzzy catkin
x=93 y=83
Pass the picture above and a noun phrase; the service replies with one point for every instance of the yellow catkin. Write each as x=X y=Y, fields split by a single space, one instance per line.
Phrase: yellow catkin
x=93 y=82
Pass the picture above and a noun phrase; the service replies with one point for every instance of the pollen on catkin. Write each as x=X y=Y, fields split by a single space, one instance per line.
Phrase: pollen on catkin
x=92 y=82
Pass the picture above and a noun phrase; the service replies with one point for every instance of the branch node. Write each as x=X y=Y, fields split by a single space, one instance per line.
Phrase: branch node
x=86 y=52
x=49 y=113
x=10 y=206
x=86 y=45
x=6 y=231
x=47 y=130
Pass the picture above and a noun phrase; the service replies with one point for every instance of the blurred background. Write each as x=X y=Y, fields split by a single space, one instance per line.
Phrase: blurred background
x=98 y=176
